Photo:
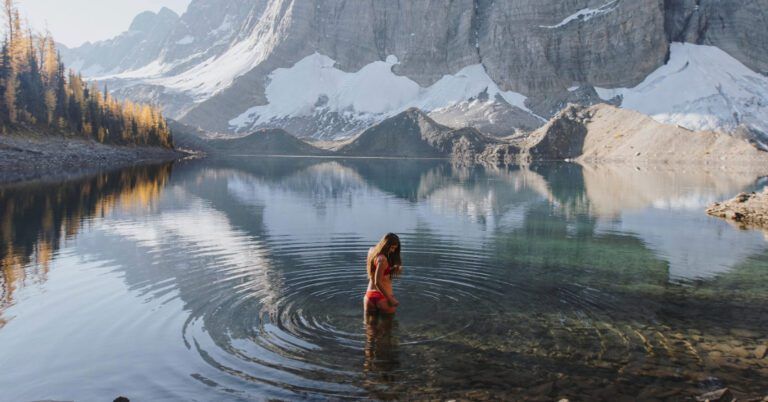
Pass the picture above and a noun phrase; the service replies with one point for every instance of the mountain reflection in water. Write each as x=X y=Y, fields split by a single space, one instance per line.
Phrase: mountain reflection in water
x=241 y=279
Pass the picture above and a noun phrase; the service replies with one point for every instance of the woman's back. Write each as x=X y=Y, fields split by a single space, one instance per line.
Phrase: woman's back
x=379 y=296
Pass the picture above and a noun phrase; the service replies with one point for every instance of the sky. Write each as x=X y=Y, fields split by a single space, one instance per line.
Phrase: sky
x=73 y=22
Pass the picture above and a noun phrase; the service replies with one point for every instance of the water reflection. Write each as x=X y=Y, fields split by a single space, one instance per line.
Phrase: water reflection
x=662 y=205
x=382 y=357
x=36 y=219
x=551 y=280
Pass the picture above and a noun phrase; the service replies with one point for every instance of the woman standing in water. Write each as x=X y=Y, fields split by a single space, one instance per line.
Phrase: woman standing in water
x=383 y=264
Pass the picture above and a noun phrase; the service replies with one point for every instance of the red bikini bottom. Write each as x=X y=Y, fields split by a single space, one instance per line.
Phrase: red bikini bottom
x=374 y=297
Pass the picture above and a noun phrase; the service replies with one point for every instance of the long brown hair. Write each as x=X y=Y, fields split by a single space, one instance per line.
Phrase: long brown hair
x=393 y=259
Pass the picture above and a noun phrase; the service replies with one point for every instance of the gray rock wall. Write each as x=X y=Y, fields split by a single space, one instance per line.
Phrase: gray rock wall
x=529 y=46
x=740 y=27
x=431 y=38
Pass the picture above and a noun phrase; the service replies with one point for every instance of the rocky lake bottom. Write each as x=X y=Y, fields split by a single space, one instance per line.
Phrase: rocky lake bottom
x=243 y=279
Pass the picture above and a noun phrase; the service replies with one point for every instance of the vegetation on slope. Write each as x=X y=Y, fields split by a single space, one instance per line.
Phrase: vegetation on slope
x=36 y=89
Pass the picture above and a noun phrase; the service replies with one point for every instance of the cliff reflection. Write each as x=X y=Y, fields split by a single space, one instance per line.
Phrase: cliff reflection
x=35 y=219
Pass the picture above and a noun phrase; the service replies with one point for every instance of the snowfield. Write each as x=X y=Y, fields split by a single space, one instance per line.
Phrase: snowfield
x=700 y=88
x=315 y=85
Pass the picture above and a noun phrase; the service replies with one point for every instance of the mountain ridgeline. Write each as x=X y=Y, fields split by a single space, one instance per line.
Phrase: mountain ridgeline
x=500 y=66
x=266 y=142
x=38 y=91
x=597 y=133
x=414 y=134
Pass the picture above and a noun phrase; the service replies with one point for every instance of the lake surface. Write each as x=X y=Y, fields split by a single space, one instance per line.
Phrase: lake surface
x=244 y=280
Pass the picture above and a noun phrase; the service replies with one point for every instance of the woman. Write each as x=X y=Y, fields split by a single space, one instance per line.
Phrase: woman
x=383 y=264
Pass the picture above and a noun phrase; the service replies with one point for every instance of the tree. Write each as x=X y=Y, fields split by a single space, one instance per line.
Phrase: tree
x=36 y=89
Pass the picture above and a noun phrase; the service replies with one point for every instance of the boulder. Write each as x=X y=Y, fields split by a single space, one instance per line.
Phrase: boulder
x=721 y=395
x=750 y=209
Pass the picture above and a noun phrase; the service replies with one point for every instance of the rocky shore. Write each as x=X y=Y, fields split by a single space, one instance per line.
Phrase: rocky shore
x=746 y=209
x=31 y=156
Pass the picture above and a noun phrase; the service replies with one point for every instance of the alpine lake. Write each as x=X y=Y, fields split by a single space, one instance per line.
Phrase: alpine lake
x=243 y=280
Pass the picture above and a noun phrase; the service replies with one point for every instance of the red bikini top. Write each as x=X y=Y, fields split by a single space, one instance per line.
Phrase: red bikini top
x=389 y=268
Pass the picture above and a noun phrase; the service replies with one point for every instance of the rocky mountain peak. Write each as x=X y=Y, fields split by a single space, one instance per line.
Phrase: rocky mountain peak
x=239 y=65
x=415 y=115
x=148 y=20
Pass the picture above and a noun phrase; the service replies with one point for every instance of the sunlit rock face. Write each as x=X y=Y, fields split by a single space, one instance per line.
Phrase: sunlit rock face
x=215 y=63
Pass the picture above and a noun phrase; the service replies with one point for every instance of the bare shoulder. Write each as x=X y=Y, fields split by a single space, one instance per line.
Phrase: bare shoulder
x=381 y=260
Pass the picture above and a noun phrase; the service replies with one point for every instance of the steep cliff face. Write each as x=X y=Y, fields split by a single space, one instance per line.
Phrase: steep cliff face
x=221 y=64
x=544 y=47
x=736 y=26
x=537 y=48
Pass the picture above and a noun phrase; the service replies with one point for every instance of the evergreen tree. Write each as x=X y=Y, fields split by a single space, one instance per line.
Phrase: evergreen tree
x=35 y=89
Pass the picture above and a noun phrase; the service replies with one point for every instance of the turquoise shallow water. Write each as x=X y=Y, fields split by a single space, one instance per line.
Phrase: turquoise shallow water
x=243 y=280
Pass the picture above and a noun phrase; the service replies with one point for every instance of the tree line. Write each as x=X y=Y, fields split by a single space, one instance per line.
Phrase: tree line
x=36 y=89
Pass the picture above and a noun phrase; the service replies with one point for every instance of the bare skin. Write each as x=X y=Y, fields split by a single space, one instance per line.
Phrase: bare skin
x=382 y=283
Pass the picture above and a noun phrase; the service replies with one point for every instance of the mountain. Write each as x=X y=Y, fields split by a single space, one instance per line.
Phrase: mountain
x=188 y=138
x=133 y=49
x=601 y=132
x=330 y=68
x=606 y=133
x=495 y=117
x=414 y=134
x=265 y=142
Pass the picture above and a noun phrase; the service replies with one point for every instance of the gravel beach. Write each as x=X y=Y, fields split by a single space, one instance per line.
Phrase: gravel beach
x=32 y=156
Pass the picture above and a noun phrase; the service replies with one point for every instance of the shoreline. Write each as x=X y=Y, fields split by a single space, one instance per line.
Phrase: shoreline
x=31 y=157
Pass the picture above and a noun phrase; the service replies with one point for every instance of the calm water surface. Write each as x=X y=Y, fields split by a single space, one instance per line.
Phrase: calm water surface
x=244 y=280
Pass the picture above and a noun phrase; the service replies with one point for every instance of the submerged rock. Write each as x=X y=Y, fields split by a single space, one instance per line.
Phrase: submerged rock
x=761 y=351
x=749 y=209
x=721 y=395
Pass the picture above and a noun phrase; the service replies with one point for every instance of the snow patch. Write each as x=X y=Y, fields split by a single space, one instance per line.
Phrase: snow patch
x=585 y=14
x=187 y=40
x=153 y=69
x=700 y=88
x=314 y=84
